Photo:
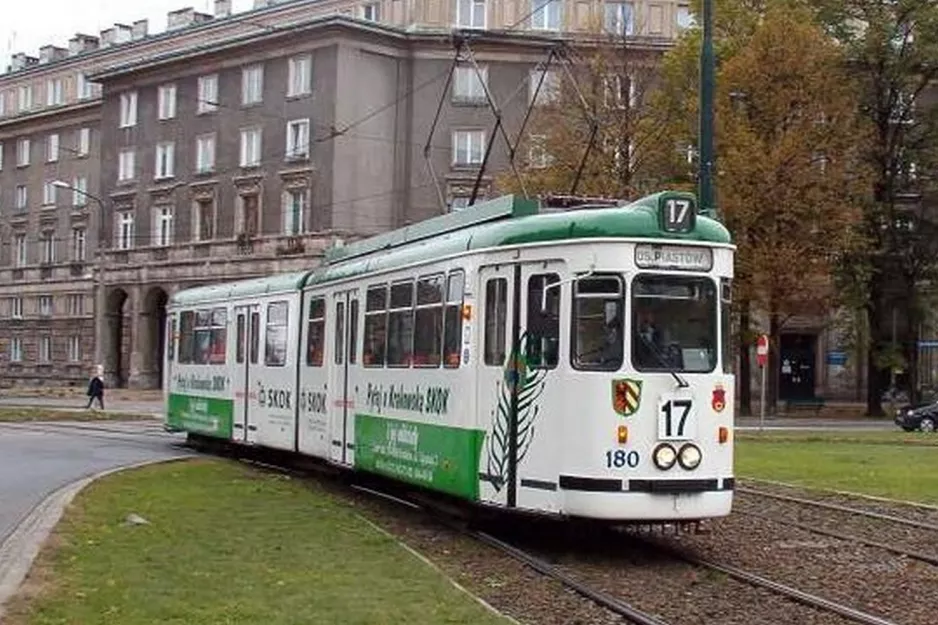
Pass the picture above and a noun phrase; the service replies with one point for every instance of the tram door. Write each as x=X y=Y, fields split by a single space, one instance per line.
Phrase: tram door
x=247 y=350
x=519 y=313
x=341 y=391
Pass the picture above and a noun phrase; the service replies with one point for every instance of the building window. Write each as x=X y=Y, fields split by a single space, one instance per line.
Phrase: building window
x=300 y=75
x=295 y=202
x=78 y=244
x=19 y=250
x=371 y=12
x=250 y=147
x=205 y=153
x=208 y=94
x=468 y=147
x=468 y=86
x=48 y=194
x=125 y=230
x=618 y=92
x=252 y=84
x=298 y=139
x=125 y=165
x=163 y=226
x=470 y=13
x=538 y=157
x=619 y=18
x=549 y=91
x=84 y=142
x=25 y=98
x=16 y=349
x=249 y=214
x=16 y=307
x=75 y=305
x=74 y=348
x=22 y=152
x=204 y=220
x=84 y=88
x=546 y=15
x=684 y=17
x=52 y=148
x=79 y=191
x=166 y=101
x=45 y=348
x=458 y=203
x=128 y=109
x=45 y=305
x=22 y=197
x=1 y=142
x=164 y=160
x=47 y=248
x=54 y=95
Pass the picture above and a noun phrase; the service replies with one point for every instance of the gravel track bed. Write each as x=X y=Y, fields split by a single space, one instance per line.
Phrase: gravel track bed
x=681 y=593
x=846 y=523
x=911 y=512
x=865 y=578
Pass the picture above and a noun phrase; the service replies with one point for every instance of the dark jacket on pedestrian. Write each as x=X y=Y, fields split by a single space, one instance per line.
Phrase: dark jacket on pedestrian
x=96 y=387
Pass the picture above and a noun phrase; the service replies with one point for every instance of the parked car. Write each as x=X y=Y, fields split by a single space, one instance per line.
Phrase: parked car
x=922 y=416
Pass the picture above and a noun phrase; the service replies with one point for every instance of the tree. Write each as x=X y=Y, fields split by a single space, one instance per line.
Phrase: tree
x=789 y=180
x=892 y=47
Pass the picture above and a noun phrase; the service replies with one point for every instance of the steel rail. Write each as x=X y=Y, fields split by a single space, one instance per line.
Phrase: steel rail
x=832 y=506
x=922 y=557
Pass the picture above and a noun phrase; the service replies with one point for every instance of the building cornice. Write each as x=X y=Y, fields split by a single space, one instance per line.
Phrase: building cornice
x=45 y=113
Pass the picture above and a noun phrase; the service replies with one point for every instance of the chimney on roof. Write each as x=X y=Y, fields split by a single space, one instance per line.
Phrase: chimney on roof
x=81 y=43
x=50 y=53
x=139 y=30
x=183 y=18
x=222 y=8
x=21 y=60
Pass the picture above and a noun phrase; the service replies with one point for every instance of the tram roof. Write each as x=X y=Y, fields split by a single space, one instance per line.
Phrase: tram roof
x=505 y=221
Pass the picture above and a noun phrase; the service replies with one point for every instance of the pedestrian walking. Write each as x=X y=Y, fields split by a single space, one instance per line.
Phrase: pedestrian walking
x=96 y=388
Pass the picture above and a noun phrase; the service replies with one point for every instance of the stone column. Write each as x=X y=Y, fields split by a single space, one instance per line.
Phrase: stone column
x=141 y=375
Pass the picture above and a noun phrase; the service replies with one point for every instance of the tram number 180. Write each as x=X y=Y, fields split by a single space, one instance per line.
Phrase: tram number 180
x=621 y=458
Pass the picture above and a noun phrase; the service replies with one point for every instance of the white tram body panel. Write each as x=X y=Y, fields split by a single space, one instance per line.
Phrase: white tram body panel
x=580 y=376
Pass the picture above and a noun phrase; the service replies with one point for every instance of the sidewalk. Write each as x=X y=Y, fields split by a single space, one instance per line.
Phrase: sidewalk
x=78 y=403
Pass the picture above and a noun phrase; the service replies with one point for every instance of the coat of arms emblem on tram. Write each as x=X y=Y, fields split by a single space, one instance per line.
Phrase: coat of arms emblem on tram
x=626 y=396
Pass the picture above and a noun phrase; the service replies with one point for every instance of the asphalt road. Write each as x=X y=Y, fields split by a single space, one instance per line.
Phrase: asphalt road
x=37 y=459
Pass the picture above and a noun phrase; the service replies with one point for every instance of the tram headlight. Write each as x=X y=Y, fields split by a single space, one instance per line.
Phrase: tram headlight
x=689 y=456
x=664 y=456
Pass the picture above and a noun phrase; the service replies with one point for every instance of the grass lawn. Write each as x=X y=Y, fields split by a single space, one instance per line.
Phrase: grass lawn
x=227 y=544
x=11 y=414
x=897 y=465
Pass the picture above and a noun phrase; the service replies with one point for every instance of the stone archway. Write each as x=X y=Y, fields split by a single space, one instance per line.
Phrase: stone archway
x=152 y=343
x=116 y=341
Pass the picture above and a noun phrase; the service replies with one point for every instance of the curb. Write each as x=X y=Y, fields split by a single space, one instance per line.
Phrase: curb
x=21 y=547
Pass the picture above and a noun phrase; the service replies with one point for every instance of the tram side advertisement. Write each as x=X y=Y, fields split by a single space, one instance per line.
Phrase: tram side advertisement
x=190 y=410
x=437 y=455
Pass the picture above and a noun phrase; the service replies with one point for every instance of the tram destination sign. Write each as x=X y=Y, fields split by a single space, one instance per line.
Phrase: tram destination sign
x=674 y=257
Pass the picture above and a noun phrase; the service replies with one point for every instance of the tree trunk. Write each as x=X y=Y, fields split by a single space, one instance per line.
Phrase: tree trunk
x=745 y=364
x=771 y=375
x=877 y=379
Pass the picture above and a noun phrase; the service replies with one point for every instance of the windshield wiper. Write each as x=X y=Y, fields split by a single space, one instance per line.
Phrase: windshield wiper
x=681 y=382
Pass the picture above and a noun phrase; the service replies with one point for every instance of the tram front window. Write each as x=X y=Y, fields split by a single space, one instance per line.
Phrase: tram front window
x=674 y=324
x=597 y=332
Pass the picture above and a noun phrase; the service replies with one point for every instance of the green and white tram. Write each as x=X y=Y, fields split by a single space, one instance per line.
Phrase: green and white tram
x=574 y=363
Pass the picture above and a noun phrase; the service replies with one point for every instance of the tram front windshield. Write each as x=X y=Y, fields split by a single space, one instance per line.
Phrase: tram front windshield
x=674 y=324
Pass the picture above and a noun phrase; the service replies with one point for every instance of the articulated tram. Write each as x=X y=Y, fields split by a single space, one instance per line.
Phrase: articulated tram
x=570 y=363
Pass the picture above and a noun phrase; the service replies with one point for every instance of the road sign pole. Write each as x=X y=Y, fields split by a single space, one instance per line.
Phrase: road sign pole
x=762 y=357
x=762 y=401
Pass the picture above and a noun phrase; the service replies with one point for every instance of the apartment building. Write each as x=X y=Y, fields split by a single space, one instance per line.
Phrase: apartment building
x=242 y=145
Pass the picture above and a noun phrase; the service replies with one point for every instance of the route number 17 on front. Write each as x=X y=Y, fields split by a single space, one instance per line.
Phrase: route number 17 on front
x=677 y=418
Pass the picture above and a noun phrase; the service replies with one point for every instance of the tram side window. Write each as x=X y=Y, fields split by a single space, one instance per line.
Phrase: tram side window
x=376 y=304
x=339 y=333
x=401 y=324
x=255 y=337
x=452 y=323
x=171 y=339
x=275 y=344
x=496 y=313
x=543 y=325
x=428 y=324
x=187 y=337
x=598 y=339
x=316 y=332
x=240 y=331
x=218 y=337
x=726 y=331
x=353 y=333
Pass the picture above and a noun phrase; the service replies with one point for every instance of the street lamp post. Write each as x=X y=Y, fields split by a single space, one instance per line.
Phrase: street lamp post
x=706 y=152
x=98 y=270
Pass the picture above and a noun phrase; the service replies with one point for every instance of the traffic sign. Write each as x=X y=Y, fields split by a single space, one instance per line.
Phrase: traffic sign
x=762 y=349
